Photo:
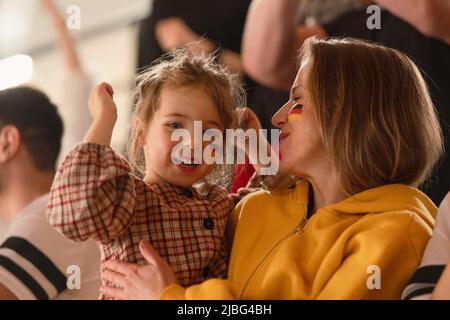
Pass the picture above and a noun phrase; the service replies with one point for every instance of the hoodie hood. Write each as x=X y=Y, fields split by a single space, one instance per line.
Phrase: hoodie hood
x=388 y=198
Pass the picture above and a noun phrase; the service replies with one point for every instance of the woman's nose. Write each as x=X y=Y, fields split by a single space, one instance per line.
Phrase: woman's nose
x=280 y=118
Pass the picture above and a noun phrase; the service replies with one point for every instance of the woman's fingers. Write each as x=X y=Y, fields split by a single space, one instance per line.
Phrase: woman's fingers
x=120 y=266
x=117 y=279
x=111 y=292
x=149 y=253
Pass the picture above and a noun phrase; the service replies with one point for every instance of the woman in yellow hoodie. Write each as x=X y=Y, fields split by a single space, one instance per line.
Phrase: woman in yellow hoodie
x=361 y=132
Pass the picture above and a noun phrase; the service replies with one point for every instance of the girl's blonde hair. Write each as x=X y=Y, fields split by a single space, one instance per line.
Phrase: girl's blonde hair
x=187 y=66
x=374 y=112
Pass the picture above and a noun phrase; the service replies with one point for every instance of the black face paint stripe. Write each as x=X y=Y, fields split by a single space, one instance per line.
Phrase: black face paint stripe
x=24 y=277
x=39 y=260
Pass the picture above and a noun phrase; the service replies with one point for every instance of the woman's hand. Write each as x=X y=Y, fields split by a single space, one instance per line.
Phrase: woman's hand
x=137 y=282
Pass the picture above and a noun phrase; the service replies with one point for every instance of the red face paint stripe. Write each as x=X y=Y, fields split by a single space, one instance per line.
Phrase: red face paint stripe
x=296 y=111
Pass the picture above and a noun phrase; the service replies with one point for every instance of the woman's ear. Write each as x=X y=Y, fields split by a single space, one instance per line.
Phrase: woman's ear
x=10 y=140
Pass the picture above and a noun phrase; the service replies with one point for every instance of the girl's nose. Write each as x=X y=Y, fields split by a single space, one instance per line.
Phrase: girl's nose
x=280 y=118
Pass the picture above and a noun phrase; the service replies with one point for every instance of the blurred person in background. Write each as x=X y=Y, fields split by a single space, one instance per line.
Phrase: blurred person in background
x=35 y=260
x=76 y=84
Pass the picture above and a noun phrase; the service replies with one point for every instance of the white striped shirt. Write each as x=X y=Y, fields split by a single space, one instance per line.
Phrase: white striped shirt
x=435 y=258
x=36 y=262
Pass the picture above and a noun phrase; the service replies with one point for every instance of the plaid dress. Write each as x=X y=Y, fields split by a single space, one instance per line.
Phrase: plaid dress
x=94 y=195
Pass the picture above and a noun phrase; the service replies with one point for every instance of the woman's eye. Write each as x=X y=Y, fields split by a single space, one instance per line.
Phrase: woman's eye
x=296 y=113
x=297 y=107
x=296 y=100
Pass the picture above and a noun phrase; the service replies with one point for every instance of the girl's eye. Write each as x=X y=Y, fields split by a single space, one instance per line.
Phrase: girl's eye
x=174 y=125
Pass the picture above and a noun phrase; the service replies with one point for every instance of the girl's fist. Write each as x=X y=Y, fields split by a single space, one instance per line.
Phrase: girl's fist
x=101 y=103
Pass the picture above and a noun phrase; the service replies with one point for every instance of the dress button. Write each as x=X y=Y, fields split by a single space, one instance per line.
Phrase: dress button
x=186 y=192
x=208 y=224
x=205 y=272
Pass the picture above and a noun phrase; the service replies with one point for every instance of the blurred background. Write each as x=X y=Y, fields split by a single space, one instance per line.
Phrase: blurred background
x=107 y=45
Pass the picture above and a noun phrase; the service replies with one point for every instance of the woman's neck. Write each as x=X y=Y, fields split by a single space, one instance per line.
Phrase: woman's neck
x=326 y=190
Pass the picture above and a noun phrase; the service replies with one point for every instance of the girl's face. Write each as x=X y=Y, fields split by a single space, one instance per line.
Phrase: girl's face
x=300 y=143
x=178 y=109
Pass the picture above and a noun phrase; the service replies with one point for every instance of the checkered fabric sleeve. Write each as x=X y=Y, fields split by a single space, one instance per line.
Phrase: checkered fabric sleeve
x=93 y=194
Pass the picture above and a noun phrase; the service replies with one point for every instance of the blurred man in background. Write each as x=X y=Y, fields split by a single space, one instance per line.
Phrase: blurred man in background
x=36 y=262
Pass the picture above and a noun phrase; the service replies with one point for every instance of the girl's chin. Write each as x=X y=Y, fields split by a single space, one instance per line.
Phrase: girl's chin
x=184 y=176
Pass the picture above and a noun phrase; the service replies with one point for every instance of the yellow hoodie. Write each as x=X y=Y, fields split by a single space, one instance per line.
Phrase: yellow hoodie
x=365 y=247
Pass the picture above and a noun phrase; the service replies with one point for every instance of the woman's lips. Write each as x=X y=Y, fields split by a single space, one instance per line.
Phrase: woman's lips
x=283 y=137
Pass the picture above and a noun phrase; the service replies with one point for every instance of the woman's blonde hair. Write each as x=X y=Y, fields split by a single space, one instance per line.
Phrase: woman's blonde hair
x=187 y=66
x=374 y=113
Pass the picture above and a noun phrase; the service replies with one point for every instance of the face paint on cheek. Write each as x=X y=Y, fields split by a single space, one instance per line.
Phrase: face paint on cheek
x=296 y=113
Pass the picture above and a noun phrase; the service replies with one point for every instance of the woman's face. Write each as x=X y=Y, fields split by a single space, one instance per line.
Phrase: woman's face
x=301 y=147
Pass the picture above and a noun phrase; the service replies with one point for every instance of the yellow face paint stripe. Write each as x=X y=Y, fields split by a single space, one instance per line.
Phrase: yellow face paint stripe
x=295 y=114
x=295 y=117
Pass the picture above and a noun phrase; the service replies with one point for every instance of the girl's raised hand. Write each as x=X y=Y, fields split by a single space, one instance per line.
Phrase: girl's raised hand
x=104 y=111
x=101 y=103
x=248 y=119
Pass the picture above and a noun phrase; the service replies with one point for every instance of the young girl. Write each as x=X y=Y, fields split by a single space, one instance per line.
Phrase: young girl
x=96 y=195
